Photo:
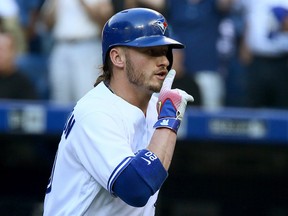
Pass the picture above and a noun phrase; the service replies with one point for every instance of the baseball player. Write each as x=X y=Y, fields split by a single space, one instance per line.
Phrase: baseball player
x=119 y=140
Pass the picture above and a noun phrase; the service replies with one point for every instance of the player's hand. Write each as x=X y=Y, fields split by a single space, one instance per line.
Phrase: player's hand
x=171 y=104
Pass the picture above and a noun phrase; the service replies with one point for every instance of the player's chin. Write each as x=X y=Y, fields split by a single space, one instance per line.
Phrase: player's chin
x=155 y=87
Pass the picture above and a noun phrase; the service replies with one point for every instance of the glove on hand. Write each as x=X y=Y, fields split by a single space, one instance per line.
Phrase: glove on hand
x=171 y=104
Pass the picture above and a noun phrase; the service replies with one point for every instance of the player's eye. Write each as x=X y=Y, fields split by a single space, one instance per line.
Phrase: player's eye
x=155 y=52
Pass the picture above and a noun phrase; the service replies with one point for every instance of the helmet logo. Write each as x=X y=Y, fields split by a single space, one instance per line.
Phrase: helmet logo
x=161 y=24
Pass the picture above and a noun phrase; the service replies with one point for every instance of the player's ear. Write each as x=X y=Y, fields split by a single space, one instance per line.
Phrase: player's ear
x=117 y=56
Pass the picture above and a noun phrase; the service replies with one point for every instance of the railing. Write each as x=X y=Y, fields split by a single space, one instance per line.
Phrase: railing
x=231 y=124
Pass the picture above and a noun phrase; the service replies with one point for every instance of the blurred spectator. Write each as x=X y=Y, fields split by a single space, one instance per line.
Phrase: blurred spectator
x=231 y=31
x=29 y=12
x=76 y=53
x=183 y=80
x=33 y=62
x=13 y=84
x=34 y=66
x=9 y=15
x=157 y=5
x=265 y=51
x=196 y=23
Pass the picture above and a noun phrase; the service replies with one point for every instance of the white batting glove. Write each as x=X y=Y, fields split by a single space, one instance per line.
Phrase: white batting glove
x=171 y=104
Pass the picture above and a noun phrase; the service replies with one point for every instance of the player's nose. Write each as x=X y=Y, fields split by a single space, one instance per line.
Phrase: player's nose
x=163 y=61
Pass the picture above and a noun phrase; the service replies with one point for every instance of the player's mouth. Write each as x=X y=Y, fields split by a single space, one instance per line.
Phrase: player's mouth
x=161 y=75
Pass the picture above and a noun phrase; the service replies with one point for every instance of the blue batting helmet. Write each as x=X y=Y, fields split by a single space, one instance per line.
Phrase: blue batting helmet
x=137 y=27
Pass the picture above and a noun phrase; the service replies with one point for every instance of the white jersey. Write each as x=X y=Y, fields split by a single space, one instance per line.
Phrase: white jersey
x=102 y=131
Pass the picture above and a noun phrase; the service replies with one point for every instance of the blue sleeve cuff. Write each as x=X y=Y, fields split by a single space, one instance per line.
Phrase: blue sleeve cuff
x=171 y=123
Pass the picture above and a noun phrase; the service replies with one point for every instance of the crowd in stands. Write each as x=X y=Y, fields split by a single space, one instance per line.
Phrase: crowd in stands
x=236 y=51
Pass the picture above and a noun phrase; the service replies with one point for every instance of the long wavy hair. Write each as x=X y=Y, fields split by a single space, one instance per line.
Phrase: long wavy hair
x=106 y=72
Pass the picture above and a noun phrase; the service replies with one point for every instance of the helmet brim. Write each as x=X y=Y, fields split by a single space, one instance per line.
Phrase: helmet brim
x=151 y=41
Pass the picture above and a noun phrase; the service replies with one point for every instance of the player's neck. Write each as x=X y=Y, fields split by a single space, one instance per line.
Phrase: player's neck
x=131 y=94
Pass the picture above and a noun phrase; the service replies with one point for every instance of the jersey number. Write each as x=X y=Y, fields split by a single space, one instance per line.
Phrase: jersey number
x=151 y=156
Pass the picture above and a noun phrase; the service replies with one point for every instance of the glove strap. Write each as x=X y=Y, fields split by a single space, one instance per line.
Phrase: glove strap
x=171 y=123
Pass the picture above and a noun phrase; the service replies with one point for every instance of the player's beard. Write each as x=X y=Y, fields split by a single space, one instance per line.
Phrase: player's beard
x=138 y=78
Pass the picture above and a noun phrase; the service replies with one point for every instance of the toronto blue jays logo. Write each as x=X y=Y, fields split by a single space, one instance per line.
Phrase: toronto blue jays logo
x=161 y=24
